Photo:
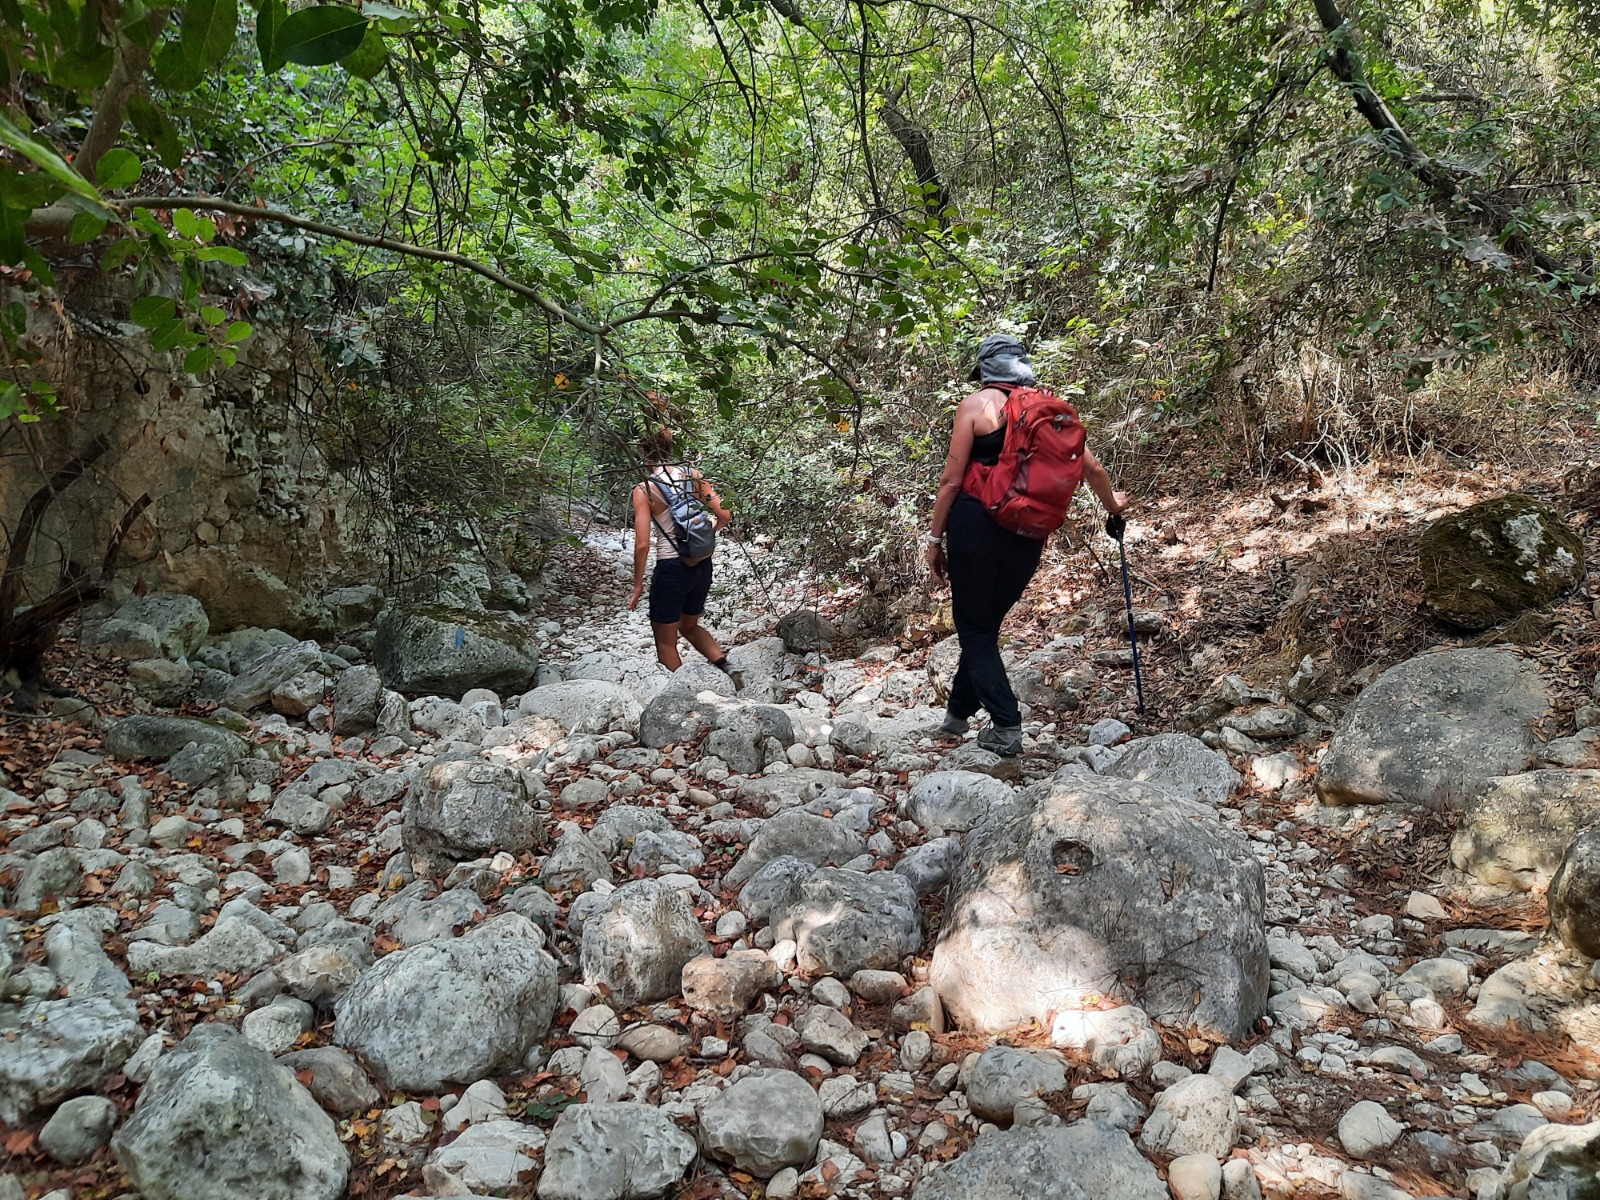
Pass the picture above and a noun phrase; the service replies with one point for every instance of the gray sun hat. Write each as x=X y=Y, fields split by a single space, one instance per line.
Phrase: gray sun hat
x=1002 y=359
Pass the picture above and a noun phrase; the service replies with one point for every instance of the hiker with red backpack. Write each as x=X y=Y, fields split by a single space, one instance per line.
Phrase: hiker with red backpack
x=1016 y=456
x=677 y=508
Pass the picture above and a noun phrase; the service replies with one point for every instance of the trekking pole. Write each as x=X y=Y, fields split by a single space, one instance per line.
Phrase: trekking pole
x=1116 y=526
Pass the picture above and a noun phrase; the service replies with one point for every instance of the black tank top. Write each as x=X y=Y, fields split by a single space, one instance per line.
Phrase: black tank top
x=986 y=447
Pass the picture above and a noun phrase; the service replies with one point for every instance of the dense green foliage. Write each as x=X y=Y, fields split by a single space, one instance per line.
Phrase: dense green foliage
x=784 y=224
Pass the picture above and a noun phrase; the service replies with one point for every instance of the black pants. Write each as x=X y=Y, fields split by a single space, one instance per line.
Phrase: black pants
x=989 y=569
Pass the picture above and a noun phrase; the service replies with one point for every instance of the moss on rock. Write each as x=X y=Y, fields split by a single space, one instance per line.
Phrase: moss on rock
x=1496 y=559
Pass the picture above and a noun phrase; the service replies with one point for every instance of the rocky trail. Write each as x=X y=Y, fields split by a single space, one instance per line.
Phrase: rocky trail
x=466 y=904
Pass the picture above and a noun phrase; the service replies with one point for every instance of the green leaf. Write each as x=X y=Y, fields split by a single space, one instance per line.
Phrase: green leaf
x=369 y=57
x=198 y=361
x=212 y=315
x=318 y=36
x=224 y=254
x=239 y=331
x=85 y=228
x=269 y=19
x=118 y=168
x=209 y=27
x=152 y=311
x=227 y=356
x=81 y=71
x=157 y=129
x=48 y=161
x=186 y=223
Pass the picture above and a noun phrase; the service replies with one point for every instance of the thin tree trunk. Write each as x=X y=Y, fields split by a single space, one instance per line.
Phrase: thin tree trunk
x=1447 y=187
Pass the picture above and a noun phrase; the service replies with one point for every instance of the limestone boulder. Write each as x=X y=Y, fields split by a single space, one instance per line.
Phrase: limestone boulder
x=455 y=1010
x=1574 y=895
x=638 y=943
x=1434 y=730
x=253 y=687
x=1513 y=833
x=53 y=1048
x=449 y=651
x=769 y=1120
x=458 y=809
x=1087 y=1160
x=844 y=921
x=801 y=835
x=804 y=631
x=179 y=622
x=955 y=801
x=1108 y=887
x=218 y=1119
x=1180 y=763
x=148 y=737
x=584 y=706
x=1555 y=1162
x=1494 y=560
x=614 y=1151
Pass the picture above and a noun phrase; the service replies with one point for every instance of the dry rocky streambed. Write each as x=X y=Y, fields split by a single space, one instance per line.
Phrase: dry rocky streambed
x=593 y=931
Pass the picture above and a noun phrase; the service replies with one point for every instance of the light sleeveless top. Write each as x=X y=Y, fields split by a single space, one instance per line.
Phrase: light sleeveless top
x=673 y=478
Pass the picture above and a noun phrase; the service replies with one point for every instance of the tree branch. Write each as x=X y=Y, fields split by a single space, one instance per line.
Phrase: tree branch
x=1445 y=185
x=914 y=140
x=106 y=125
x=32 y=514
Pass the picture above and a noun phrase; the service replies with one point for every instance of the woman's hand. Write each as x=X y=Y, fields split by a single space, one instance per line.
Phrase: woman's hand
x=1119 y=501
x=638 y=591
x=936 y=563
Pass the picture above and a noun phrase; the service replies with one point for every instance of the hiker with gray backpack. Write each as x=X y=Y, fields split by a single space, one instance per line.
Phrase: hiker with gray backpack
x=676 y=508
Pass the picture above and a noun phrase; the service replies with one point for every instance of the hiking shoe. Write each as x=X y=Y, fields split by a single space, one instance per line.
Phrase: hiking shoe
x=953 y=725
x=738 y=680
x=1004 y=740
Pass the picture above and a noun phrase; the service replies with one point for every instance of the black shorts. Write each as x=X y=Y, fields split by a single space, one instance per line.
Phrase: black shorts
x=677 y=591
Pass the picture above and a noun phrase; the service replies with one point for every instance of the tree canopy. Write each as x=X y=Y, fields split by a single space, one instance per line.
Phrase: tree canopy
x=787 y=207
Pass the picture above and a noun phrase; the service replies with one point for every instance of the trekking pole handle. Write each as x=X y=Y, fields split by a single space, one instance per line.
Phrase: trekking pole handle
x=1116 y=526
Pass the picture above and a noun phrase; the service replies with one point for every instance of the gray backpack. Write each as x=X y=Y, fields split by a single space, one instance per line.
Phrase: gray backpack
x=694 y=529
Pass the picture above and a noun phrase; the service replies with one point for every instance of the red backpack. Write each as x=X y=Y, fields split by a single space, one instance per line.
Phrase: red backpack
x=1029 y=489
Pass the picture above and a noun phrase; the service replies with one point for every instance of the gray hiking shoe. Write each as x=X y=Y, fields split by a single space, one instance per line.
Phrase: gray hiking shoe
x=1004 y=740
x=953 y=725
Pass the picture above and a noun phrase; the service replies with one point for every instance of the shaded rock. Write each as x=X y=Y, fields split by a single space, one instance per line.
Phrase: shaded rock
x=800 y=835
x=219 y=1119
x=1196 y=1115
x=253 y=687
x=159 y=738
x=459 y=809
x=1434 y=729
x=846 y=921
x=53 y=875
x=584 y=706
x=357 y=698
x=1003 y=1075
x=54 y=1048
x=78 y=1128
x=1108 y=887
x=804 y=631
x=1574 y=895
x=1514 y=832
x=614 y=1152
x=1496 y=559
x=677 y=714
x=449 y=1011
x=638 y=943
x=235 y=946
x=337 y=1081
x=1083 y=1161
x=1181 y=763
x=575 y=861
x=449 y=651
x=955 y=800
x=768 y=1120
